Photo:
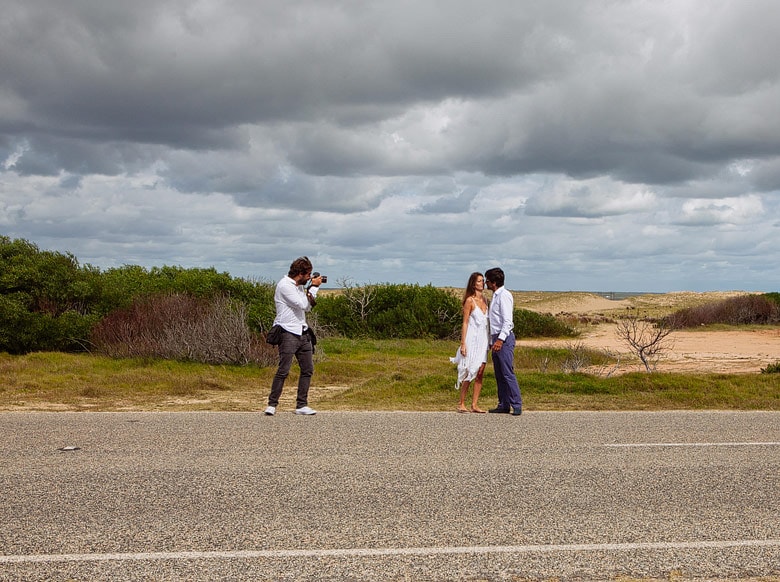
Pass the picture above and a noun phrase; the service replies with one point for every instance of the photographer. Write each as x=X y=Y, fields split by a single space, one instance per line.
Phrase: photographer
x=292 y=301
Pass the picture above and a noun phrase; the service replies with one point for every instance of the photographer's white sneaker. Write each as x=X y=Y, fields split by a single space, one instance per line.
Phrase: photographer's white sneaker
x=270 y=411
x=305 y=410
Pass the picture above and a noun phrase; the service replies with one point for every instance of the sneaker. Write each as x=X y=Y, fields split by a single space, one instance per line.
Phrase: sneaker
x=305 y=410
x=270 y=411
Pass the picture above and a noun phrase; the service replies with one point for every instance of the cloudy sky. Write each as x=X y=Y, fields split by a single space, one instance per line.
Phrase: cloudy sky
x=610 y=145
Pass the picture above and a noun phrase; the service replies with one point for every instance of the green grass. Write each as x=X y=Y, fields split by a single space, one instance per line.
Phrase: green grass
x=361 y=375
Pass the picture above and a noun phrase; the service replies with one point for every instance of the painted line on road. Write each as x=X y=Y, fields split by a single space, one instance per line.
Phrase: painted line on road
x=379 y=552
x=726 y=444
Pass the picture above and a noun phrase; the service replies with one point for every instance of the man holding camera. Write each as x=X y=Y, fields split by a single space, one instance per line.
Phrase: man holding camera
x=292 y=301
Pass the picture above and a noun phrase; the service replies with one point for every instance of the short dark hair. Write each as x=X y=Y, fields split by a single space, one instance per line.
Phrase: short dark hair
x=495 y=275
x=299 y=266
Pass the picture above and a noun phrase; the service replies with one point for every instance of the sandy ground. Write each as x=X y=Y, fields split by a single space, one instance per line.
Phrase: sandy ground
x=733 y=352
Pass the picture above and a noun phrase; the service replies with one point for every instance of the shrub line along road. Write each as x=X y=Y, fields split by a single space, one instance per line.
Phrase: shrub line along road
x=370 y=496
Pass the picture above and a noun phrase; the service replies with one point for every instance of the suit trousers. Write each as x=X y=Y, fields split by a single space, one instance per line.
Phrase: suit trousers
x=504 y=367
x=298 y=346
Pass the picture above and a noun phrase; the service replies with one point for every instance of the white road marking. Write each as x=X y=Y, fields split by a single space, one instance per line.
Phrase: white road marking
x=727 y=444
x=379 y=552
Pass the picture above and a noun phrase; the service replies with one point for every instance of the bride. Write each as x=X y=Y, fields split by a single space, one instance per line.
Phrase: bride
x=472 y=354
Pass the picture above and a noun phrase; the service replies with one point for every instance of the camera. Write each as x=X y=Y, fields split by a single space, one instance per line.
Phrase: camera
x=316 y=274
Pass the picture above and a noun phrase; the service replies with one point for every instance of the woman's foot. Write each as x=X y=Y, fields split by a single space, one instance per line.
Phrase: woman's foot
x=478 y=410
x=462 y=409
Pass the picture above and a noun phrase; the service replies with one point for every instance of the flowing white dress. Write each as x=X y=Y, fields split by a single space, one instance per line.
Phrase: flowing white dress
x=477 y=339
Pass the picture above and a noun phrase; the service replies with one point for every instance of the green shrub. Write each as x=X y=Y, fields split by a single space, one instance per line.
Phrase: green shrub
x=774 y=296
x=771 y=369
x=532 y=324
x=49 y=302
x=45 y=299
x=391 y=311
x=120 y=286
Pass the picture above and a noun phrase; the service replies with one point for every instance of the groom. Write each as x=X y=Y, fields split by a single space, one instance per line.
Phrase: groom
x=502 y=341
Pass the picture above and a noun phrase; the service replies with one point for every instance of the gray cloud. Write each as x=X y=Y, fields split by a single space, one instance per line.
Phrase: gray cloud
x=454 y=204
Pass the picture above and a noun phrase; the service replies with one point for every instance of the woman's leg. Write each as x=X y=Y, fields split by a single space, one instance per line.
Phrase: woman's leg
x=477 y=389
x=464 y=388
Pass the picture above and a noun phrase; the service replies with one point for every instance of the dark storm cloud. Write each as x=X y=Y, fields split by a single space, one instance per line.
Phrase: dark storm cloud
x=49 y=155
x=766 y=175
x=574 y=90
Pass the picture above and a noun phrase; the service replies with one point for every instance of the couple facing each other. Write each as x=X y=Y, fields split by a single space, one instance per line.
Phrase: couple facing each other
x=488 y=327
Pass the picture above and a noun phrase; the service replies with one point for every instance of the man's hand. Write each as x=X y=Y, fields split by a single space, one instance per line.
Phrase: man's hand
x=316 y=281
x=497 y=345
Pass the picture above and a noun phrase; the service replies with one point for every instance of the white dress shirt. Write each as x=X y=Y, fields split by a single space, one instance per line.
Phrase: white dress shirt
x=500 y=314
x=292 y=305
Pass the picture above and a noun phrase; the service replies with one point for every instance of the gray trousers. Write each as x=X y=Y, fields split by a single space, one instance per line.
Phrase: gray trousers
x=300 y=347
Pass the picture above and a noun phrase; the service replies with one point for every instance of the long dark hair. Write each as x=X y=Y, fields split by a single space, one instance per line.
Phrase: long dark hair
x=471 y=286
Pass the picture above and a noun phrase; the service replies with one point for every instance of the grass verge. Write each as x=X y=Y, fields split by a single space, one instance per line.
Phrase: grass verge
x=357 y=375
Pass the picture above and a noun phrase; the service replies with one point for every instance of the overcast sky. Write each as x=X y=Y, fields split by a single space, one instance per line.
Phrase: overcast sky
x=580 y=145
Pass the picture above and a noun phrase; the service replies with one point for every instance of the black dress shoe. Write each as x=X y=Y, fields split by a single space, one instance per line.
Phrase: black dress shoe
x=517 y=412
x=499 y=410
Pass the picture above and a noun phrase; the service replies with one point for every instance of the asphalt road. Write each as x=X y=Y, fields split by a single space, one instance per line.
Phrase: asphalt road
x=388 y=496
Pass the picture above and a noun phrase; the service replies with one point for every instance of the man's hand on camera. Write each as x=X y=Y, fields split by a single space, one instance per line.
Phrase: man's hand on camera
x=316 y=281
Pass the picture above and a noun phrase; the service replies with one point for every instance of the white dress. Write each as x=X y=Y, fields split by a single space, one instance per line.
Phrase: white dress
x=476 y=346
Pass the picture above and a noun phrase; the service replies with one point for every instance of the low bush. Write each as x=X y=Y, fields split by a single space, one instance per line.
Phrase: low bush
x=532 y=324
x=741 y=310
x=771 y=369
x=23 y=331
x=50 y=302
x=387 y=311
x=183 y=327
x=773 y=296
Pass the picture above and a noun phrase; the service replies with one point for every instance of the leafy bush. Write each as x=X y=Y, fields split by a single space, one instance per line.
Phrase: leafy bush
x=741 y=310
x=45 y=299
x=771 y=369
x=391 y=311
x=182 y=327
x=773 y=296
x=49 y=302
x=532 y=324
x=119 y=287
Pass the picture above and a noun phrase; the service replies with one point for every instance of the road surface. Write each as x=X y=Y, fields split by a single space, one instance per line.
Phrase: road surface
x=384 y=496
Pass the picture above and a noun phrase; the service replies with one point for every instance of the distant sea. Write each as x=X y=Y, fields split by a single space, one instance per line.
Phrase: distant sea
x=618 y=295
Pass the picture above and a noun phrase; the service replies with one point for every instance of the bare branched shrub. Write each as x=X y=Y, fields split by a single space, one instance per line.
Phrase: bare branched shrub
x=645 y=338
x=611 y=365
x=447 y=317
x=182 y=327
x=577 y=358
x=580 y=358
x=320 y=329
x=358 y=298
